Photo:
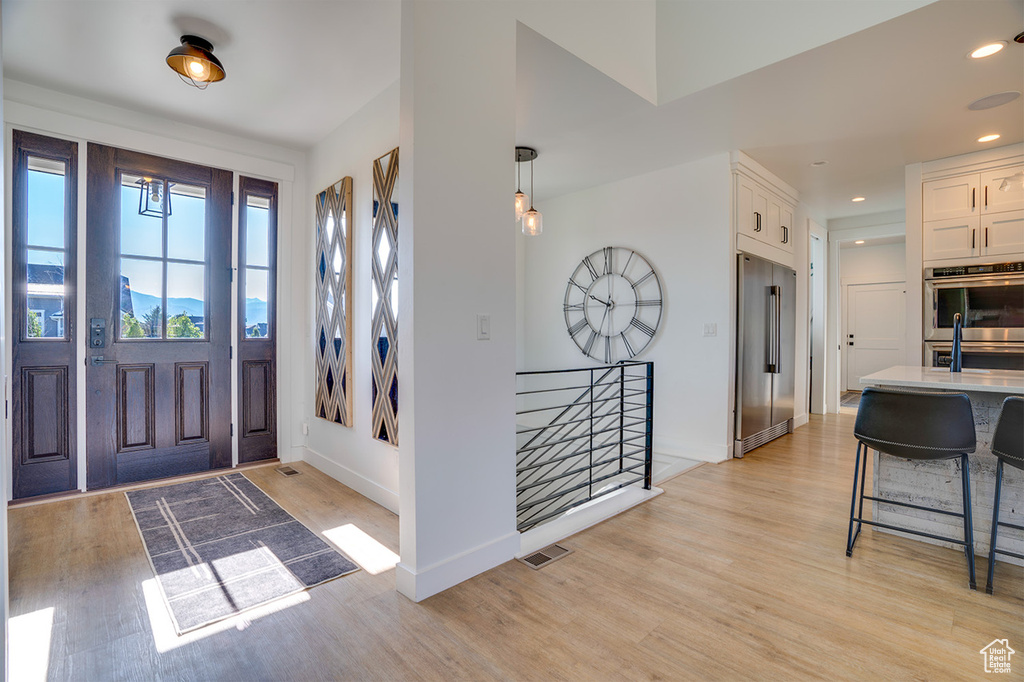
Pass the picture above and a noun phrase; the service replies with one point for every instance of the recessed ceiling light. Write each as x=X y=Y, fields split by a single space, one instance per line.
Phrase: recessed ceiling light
x=857 y=199
x=988 y=50
x=992 y=101
x=988 y=138
x=859 y=241
x=819 y=164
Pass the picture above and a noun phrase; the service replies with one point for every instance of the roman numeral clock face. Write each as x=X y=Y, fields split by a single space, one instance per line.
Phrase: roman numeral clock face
x=613 y=304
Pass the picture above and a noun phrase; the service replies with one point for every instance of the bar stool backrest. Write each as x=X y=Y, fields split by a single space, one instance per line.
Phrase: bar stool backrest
x=1008 y=441
x=916 y=425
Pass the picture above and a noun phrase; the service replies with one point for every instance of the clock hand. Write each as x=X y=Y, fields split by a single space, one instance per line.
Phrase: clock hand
x=603 y=318
x=599 y=300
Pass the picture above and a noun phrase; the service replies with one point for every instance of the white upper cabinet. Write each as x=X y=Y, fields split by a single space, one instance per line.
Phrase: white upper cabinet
x=968 y=216
x=950 y=238
x=995 y=200
x=955 y=197
x=1002 y=234
x=762 y=215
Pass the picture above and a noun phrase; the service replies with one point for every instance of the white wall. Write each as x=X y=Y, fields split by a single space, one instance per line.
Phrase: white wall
x=687 y=32
x=457 y=236
x=867 y=264
x=350 y=454
x=679 y=219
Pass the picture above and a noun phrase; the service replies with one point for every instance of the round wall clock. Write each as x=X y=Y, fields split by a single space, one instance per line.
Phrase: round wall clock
x=613 y=304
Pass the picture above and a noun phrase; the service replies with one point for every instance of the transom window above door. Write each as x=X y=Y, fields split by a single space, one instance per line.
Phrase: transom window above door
x=163 y=292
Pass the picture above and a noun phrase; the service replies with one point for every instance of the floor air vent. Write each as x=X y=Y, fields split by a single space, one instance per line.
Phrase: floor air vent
x=287 y=471
x=545 y=556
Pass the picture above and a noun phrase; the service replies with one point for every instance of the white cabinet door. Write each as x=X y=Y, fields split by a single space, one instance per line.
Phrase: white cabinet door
x=954 y=238
x=745 y=221
x=786 y=228
x=950 y=198
x=993 y=199
x=1002 y=234
x=875 y=322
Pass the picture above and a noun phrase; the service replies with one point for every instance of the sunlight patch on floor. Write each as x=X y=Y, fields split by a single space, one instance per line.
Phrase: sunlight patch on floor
x=372 y=556
x=166 y=639
x=30 y=645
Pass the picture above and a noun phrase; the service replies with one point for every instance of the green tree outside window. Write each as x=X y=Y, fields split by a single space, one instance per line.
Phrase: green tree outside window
x=181 y=327
x=130 y=327
x=35 y=327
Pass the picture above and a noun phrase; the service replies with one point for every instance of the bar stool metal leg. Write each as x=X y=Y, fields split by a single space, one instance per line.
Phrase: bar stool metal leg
x=995 y=527
x=965 y=468
x=851 y=536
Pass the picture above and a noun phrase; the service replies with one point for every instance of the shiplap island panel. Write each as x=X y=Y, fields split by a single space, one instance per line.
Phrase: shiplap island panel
x=937 y=483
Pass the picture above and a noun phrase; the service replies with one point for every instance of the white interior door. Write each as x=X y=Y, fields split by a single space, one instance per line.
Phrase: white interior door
x=875 y=325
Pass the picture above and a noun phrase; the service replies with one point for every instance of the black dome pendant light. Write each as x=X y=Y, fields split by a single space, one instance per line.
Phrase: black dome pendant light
x=194 y=62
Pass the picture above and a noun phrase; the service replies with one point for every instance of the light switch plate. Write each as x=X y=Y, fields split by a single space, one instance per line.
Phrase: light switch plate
x=710 y=329
x=483 y=327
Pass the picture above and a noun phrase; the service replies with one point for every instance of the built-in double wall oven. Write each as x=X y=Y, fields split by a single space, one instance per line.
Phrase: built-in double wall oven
x=991 y=300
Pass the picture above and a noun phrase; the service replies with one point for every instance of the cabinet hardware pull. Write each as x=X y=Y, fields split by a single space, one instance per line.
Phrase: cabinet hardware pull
x=785 y=234
x=972 y=238
x=986 y=236
x=757 y=222
x=986 y=198
x=973 y=190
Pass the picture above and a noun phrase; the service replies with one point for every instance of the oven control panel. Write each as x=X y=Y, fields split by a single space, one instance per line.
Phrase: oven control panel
x=969 y=270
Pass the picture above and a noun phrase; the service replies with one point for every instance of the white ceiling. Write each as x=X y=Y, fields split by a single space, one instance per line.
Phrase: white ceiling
x=869 y=103
x=295 y=68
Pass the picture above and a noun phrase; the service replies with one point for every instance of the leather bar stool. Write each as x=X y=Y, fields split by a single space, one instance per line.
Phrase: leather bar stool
x=1008 y=446
x=921 y=426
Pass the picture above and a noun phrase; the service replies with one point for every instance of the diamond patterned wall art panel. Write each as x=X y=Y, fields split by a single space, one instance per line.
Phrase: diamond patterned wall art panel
x=384 y=356
x=333 y=302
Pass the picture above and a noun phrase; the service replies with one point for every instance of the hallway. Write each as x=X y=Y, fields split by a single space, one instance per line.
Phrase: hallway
x=737 y=571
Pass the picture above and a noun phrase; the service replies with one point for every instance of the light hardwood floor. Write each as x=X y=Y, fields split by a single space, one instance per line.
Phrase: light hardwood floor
x=737 y=572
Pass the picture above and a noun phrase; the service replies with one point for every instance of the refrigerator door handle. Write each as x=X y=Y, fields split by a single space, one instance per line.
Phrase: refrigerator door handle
x=778 y=328
x=772 y=329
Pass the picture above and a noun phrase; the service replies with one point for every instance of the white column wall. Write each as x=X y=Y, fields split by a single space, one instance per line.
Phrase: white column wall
x=457 y=237
x=351 y=454
x=679 y=219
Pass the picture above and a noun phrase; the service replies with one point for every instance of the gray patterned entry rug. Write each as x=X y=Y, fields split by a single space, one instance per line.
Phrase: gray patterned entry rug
x=220 y=546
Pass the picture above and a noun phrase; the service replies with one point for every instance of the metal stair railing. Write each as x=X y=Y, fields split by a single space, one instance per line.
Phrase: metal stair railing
x=569 y=453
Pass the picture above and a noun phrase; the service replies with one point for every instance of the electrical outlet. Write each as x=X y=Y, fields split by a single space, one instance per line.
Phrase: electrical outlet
x=305 y=428
x=710 y=329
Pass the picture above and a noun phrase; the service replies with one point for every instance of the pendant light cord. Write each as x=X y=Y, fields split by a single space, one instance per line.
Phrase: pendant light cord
x=519 y=174
x=531 y=184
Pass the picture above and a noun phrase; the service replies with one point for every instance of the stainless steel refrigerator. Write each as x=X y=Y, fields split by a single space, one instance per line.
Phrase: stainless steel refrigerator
x=765 y=353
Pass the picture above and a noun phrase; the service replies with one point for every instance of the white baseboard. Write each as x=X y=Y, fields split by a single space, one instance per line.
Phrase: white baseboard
x=426 y=582
x=800 y=420
x=583 y=517
x=669 y=466
x=679 y=448
x=361 y=484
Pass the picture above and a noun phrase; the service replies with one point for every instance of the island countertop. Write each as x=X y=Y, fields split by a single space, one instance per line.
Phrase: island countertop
x=1005 y=381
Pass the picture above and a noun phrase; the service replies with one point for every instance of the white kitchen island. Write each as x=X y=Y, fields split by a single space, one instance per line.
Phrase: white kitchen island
x=937 y=483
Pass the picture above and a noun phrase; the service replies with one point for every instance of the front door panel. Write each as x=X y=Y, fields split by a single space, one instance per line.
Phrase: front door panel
x=159 y=309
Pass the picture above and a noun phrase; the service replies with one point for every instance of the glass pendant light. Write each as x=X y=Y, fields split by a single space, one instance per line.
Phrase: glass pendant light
x=530 y=217
x=533 y=223
x=522 y=201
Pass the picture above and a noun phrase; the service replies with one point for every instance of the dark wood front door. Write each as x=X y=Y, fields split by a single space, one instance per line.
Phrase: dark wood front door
x=257 y=328
x=43 y=336
x=158 y=317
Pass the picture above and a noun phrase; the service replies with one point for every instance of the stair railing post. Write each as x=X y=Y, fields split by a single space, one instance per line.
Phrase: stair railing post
x=649 y=437
x=622 y=413
x=590 y=469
